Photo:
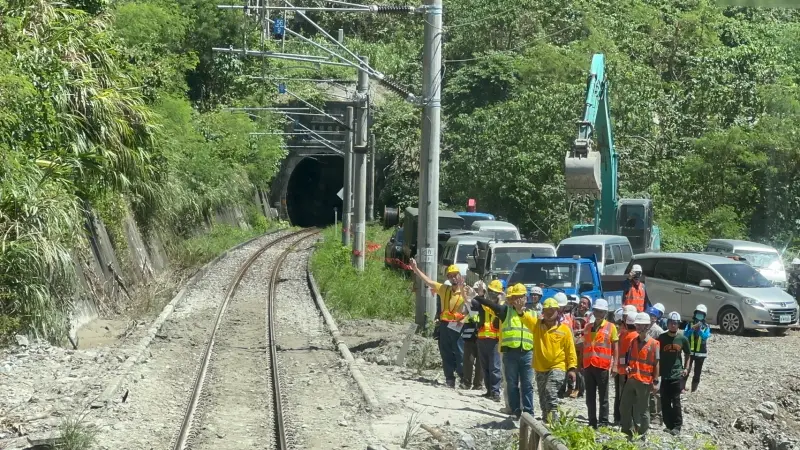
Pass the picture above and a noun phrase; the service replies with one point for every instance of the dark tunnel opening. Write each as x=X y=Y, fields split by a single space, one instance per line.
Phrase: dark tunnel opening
x=311 y=193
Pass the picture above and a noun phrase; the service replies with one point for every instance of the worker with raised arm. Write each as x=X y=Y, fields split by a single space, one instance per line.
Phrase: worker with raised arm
x=488 y=337
x=642 y=368
x=451 y=315
x=627 y=335
x=600 y=352
x=554 y=357
x=698 y=333
x=673 y=369
x=516 y=345
x=633 y=290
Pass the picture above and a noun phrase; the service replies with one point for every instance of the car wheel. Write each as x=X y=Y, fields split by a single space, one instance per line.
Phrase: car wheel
x=730 y=321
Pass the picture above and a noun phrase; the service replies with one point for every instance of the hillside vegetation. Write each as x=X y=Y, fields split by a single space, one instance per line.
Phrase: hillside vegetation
x=119 y=105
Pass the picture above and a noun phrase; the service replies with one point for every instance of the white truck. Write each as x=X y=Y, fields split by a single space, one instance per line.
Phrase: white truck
x=494 y=259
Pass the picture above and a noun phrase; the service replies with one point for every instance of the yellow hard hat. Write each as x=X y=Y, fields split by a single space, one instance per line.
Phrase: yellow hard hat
x=496 y=286
x=517 y=290
x=550 y=303
x=453 y=269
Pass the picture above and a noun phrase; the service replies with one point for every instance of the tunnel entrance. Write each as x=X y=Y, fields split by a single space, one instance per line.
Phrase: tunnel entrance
x=311 y=192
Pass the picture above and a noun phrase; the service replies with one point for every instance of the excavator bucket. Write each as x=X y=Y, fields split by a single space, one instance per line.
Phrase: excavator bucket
x=582 y=170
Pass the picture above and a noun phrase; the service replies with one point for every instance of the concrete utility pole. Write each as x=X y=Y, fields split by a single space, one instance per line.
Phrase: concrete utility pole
x=428 y=225
x=347 y=201
x=371 y=180
x=360 y=170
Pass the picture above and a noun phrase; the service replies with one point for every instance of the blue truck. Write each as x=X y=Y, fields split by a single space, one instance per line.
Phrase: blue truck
x=572 y=276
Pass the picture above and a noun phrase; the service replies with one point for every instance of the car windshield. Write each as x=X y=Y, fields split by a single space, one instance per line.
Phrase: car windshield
x=586 y=251
x=505 y=258
x=500 y=235
x=464 y=250
x=469 y=219
x=761 y=260
x=548 y=274
x=741 y=275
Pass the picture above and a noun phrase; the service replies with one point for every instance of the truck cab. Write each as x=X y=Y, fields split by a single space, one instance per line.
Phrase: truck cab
x=494 y=259
x=572 y=276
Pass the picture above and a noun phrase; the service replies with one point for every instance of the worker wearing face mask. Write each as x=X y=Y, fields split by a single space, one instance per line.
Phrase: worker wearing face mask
x=642 y=368
x=633 y=291
x=554 y=357
x=698 y=333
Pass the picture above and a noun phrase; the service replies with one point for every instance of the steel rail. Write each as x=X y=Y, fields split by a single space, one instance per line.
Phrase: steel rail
x=188 y=418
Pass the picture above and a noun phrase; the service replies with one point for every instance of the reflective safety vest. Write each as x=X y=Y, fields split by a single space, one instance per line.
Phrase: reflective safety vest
x=625 y=339
x=642 y=360
x=454 y=314
x=514 y=333
x=697 y=346
x=635 y=297
x=488 y=330
x=597 y=352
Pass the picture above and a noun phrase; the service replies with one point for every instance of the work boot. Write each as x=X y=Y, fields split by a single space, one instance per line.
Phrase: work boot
x=574 y=393
x=694 y=386
x=675 y=431
x=476 y=387
x=506 y=410
x=451 y=383
x=497 y=398
x=463 y=386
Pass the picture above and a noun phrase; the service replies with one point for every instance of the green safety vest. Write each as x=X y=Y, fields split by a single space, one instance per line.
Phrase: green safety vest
x=514 y=333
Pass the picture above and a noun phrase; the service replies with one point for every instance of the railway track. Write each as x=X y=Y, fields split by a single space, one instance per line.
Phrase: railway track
x=242 y=387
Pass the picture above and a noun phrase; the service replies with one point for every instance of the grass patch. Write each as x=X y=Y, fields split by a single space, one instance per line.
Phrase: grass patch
x=377 y=293
x=198 y=250
x=76 y=434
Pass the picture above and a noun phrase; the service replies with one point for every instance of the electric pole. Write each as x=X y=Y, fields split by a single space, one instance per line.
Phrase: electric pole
x=347 y=200
x=371 y=180
x=360 y=170
x=428 y=225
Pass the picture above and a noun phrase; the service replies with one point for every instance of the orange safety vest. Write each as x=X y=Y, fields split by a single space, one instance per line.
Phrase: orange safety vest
x=625 y=340
x=597 y=352
x=643 y=360
x=635 y=297
x=569 y=320
x=450 y=315
x=487 y=329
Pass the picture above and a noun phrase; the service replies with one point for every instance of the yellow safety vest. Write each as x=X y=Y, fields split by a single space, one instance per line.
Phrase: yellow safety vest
x=487 y=330
x=450 y=315
x=514 y=333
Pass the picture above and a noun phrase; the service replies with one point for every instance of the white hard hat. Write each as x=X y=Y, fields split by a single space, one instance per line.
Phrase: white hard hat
x=642 y=319
x=601 y=305
x=636 y=268
x=630 y=319
x=561 y=298
x=674 y=316
x=702 y=309
x=536 y=290
x=659 y=307
x=618 y=315
x=629 y=310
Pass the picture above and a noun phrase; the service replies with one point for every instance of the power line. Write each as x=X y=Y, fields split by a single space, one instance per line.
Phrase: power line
x=521 y=46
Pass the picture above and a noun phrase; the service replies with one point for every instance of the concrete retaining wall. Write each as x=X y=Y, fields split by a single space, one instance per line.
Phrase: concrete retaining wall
x=107 y=273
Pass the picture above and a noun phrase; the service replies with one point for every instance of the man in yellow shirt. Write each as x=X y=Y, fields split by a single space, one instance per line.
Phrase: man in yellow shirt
x=554 y=354
x=451 y=317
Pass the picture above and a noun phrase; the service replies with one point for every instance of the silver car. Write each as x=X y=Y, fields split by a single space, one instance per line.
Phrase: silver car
x=737 y=296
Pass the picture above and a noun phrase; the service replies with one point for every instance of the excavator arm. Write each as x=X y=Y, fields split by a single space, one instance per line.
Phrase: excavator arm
x=590 y=167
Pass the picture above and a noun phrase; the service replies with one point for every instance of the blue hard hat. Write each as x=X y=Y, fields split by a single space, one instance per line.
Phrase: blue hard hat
x=653 y=312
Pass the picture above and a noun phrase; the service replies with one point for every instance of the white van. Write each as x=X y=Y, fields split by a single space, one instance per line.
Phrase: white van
x=613 y=252
x=761 y=257
x=497 y=229
x=455 y=252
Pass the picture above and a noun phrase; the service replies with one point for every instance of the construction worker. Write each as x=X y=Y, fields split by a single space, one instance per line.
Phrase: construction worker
x=633 y=291
x=554 y=357
x=473 y=372
x=642 y=369
x=451 y=314
x=662 y=320
x=627 y=334
x=698 y=333
x=563 y=303
x=655 y=331
x=516 y=345
x=578 y=325
x=536 y=300
x=600 y=352
x=488 y=336
x=672 y=372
